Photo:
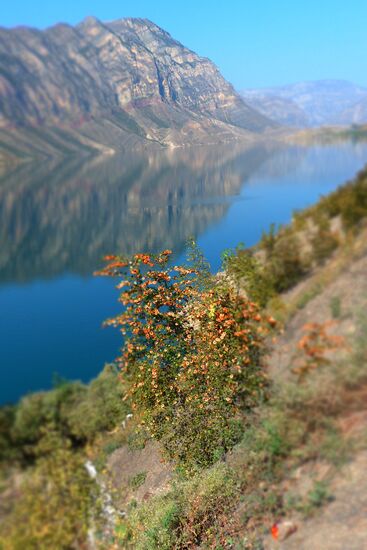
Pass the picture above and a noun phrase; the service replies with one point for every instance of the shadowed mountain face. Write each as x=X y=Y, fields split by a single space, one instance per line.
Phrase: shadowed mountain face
x=311 y=103
x=107 y=82
x=65 y=216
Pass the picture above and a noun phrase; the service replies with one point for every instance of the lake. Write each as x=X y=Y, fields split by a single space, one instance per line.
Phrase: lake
x=58 y=218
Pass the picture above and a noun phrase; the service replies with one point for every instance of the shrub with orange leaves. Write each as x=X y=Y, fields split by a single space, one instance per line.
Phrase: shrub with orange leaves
x=192 y=354
x=314 y=346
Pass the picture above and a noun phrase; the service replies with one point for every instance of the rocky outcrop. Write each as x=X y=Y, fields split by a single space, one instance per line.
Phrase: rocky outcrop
x=122 y=78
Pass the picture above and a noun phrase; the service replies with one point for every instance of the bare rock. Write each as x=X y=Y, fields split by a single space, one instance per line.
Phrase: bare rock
x=138 y=473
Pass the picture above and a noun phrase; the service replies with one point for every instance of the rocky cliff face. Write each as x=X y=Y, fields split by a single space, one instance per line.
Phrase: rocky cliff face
x=317 y=103
x=127 y=75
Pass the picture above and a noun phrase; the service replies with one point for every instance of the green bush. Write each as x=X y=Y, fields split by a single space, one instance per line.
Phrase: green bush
x=336 y=307
x=189 y=516
x=200 y=437
x=53 y=508
x=8 y=450
x=35 y=411
x=138 y=480
x=353 y=201
x=249 y=273
x=286 y=261
x=31 y=414
x=286 y=264
x=349 y=201
x=324 y=242
x=102 y=407
x=77 y=411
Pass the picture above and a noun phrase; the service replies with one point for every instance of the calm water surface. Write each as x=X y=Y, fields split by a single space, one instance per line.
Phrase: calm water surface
x=58 y=219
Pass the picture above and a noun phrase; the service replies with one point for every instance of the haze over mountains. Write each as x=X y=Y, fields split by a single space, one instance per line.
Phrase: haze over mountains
x=105 y=84
x=310 y=104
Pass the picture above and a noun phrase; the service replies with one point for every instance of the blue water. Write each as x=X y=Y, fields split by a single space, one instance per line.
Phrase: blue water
x=57 y=221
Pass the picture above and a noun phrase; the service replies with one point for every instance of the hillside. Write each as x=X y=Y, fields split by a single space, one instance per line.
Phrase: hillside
x=109 y=84
x=310 y=104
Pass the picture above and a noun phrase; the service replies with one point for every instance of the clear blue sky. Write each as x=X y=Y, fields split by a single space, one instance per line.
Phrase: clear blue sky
x=253 y=42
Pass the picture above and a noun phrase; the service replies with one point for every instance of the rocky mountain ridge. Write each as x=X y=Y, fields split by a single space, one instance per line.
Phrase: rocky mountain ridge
x=108 y=82
x=310 y=104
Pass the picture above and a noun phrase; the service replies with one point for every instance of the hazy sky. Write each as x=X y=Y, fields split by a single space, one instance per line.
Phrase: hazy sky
x=254 y=43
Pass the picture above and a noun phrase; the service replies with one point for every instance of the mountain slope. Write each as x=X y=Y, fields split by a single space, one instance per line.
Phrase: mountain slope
x=284 y=111
x=357 y=114
x=310 y=103
x=128 y=72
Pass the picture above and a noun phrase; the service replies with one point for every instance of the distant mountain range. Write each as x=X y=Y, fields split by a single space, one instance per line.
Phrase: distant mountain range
x=103 y=85
x=310 y=104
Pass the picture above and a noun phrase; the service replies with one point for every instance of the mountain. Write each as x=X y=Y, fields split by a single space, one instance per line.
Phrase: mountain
x=285 y=111
x=112 y=83
x=315 y=103
x=356 y=114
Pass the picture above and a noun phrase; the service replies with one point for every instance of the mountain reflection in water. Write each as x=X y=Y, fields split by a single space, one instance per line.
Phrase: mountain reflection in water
x=65 y=216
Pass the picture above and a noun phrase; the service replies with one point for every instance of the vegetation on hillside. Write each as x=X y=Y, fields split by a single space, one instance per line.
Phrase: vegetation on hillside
x=193 y=372
x=75 y=411
x=192 y=354
x=43 y=439
x=284 y=256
